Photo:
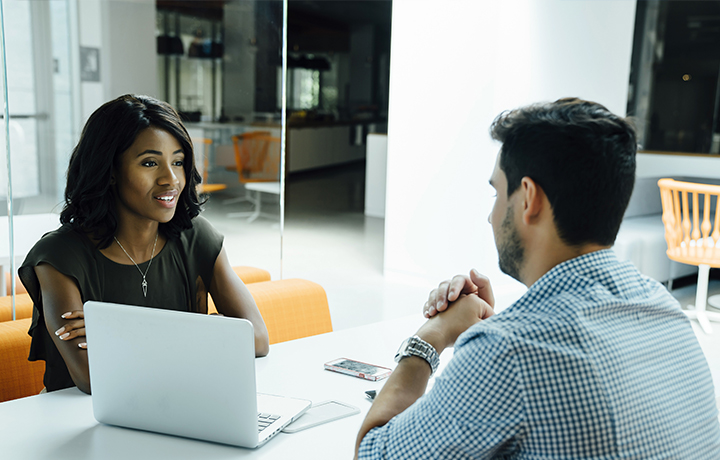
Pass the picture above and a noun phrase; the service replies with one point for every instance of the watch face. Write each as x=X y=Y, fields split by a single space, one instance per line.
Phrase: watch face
x=402 y=351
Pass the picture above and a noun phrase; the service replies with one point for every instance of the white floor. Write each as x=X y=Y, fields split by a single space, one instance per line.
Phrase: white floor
x=328 y=240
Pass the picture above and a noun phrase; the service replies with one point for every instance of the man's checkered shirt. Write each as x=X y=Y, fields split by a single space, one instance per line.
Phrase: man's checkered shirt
x=595 y=361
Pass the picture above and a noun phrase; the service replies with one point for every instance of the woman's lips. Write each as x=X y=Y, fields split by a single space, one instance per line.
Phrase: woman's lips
x=167 y=200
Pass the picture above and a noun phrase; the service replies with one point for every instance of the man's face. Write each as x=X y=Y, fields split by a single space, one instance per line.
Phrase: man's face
x=511 y=251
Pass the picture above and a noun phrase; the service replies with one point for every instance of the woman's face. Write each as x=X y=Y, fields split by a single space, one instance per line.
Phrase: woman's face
x=150 y=177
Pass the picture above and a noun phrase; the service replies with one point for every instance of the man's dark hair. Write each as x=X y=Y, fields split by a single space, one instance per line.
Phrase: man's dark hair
x=581 y=155
x=110 y=131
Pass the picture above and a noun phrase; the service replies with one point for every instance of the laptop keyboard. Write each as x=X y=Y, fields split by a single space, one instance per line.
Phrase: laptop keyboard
x=265 y=420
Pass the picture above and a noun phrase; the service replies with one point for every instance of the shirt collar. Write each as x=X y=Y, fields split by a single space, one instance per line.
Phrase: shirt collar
x=557 y=279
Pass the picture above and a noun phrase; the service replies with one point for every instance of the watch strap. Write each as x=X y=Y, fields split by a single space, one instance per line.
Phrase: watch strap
x=415 y=346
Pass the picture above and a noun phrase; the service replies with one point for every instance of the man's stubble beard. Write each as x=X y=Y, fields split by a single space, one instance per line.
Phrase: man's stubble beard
x=511 y=252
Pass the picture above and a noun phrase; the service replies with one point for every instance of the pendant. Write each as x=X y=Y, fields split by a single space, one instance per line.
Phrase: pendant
x=144 y=286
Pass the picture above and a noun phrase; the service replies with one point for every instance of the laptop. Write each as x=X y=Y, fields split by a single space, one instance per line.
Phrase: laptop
x=179 y=373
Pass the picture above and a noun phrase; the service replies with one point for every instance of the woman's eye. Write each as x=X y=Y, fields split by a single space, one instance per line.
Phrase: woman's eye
x=149 y=163
x=179 y=162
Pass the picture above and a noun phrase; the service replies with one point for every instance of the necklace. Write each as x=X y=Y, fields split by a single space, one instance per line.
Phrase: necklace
x=144 y=281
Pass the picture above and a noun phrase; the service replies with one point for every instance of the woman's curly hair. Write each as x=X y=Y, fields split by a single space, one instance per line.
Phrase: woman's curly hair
x=90 y=199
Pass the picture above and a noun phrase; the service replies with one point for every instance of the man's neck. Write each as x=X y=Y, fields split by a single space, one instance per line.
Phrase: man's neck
x=545 y=257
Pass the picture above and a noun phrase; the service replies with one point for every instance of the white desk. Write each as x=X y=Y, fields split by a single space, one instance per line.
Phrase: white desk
x=60 y=425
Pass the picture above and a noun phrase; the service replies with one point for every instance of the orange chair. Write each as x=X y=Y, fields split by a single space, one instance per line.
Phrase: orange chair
x=291 y=308
x=19 y=377
x=693 y=241
x=202 y=164
x=23 y=307
x=257 y=158
x=19 y=287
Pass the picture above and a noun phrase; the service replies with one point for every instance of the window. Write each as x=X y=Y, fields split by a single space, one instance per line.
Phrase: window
x=674 y=77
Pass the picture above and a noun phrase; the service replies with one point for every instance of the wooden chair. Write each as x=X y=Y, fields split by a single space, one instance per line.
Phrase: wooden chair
x=257 y=159
x=202 y=164
x=691 y=240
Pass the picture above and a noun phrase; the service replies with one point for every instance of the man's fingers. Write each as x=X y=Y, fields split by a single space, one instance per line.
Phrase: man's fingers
x=427 y=309
x=484 y=288
x=430 y=307
x=449 y=291
x=441 y=299
x=460 y=284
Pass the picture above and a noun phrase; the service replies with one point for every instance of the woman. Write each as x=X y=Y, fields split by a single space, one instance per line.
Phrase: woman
x=130 y=234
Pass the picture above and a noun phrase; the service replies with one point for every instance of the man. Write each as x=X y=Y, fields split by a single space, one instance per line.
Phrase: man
x=594 y=361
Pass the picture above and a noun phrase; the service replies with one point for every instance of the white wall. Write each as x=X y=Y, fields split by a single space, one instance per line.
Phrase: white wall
x=90 y=35
x=130 y=47
x=664 y=165
x=453 y=69
x=124 y=31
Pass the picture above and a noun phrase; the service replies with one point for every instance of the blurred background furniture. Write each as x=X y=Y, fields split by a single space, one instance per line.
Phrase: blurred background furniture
x=692 y=240
x=29 y=228
x=292 y=308
x=201 y=146
x=641 y=239
x=257 y=159
x=19 y=377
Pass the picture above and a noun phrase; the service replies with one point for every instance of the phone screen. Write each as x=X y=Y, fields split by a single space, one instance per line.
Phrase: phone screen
x=357 y=366
x=358 y=369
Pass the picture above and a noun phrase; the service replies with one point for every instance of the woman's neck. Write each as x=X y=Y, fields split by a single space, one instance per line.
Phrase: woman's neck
x=135 y=243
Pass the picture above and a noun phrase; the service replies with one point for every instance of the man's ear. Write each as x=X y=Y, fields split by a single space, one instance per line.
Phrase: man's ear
x=533 y=200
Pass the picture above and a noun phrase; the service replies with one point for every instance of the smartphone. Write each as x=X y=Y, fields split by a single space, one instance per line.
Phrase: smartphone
x=320 y=413
x=358 y=369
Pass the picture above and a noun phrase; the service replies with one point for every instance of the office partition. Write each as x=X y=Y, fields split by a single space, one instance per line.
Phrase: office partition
x=221 y=64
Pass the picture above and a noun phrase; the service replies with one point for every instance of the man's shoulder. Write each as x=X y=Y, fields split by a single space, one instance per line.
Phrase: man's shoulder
x=567 y=314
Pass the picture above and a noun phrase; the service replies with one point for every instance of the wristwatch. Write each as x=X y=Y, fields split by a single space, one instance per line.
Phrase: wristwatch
x=415 y=346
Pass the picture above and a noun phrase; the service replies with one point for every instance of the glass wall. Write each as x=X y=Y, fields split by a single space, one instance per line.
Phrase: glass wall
x=675 y=76
x=215 y=61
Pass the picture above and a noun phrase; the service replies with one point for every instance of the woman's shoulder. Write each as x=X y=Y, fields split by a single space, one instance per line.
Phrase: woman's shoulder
x=64 y=239
x=202 y=243
x=66 y=249
x=201 y=231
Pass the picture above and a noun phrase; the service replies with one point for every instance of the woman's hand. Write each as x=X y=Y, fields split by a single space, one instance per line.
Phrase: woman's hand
x=450 y=290
x=73 y=328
